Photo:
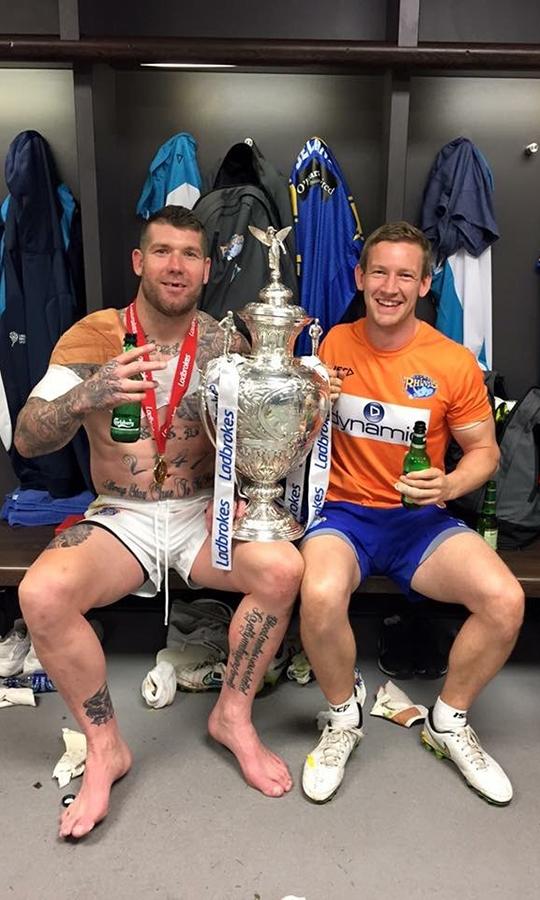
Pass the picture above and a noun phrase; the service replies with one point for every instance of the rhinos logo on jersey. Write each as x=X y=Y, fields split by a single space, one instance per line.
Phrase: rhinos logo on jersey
x=418 y=387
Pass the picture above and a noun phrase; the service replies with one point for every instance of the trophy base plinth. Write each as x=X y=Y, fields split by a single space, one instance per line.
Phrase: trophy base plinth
x=267 y=522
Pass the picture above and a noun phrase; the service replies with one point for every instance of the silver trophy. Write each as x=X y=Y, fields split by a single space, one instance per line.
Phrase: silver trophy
x=282 y=402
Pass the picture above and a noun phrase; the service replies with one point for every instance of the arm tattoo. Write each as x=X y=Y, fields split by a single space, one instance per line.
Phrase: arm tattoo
x=253 y=636
x=99 y=708
x=44 y=426
x=71 y=537
x=103 y=385
x=47 y=425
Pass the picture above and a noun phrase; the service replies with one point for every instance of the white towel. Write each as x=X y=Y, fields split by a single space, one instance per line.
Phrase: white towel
x=392 y=703
x=17 y=697
x=159 y=686
x=72 y=763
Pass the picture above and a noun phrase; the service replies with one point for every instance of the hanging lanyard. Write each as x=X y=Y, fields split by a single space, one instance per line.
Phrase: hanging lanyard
x=180 y=385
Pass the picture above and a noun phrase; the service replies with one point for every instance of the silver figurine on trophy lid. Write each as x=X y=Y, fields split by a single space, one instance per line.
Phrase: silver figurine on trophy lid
x=282 y=402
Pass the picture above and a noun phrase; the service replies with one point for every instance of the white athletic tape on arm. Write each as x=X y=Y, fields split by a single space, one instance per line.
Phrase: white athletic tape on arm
x=58 y=380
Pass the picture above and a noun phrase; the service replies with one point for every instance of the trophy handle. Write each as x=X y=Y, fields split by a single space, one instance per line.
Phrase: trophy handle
x=315 y=332
x=228 y=326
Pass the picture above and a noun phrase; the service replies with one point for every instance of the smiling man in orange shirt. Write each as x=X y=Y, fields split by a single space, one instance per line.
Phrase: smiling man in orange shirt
x=397 y=370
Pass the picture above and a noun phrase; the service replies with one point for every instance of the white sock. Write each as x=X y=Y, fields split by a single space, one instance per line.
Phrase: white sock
x=446 y=718
x=345 y=715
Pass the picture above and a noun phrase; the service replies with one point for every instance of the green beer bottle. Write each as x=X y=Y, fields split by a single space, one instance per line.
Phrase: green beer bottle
x=126 y=418
x=487 y=520
x=416 y=458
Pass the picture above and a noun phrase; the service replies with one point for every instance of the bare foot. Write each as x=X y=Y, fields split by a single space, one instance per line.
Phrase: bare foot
x=102 y=769
x=261 y=768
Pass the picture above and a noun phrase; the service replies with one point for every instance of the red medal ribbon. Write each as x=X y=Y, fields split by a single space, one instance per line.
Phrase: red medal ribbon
x=182 y=377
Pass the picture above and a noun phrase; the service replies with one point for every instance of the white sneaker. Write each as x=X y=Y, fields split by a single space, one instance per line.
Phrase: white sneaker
x=324 y=767
x=31 y=662
x=13 y=649
x=203 y=676
x=480 y=771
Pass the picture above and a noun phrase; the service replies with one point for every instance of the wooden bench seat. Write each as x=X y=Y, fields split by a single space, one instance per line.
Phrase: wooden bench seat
x=19 y=547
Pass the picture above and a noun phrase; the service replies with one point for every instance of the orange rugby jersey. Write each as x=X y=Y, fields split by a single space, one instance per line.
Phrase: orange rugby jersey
x=384 y=393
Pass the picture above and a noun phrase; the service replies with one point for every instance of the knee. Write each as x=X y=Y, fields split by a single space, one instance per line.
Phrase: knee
x=506 y=608
x=44 y=600
x=323 y=605
x=281 y=578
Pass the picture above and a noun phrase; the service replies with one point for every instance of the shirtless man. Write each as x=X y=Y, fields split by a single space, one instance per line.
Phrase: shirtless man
x=138 y=527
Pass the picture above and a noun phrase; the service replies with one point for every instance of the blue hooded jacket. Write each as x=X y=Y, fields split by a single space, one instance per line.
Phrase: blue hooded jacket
x=174 y=177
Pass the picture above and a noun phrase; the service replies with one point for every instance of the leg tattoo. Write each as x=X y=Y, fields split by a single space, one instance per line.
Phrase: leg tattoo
x=72 y=537
x=99 y=708
x=254 y=635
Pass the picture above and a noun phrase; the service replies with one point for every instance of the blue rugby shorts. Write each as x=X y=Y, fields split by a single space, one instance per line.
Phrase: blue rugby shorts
x=387 y=541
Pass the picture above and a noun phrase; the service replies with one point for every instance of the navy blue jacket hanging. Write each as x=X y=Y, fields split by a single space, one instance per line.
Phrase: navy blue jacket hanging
x=457 y=208
x=328 y=237
x=41 y=276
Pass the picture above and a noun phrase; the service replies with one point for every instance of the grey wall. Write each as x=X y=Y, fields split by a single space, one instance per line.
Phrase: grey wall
x=340 y=20
x=29 y=17
x=279 y=111
x=480 y=21
x=500 y=116
x=42 y=100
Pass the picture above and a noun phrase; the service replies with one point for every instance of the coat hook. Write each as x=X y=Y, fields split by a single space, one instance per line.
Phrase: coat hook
x=531 y=148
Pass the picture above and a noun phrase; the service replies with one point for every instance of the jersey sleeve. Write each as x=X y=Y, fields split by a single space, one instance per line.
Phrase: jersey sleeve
x=94 y=340
x=470 y=401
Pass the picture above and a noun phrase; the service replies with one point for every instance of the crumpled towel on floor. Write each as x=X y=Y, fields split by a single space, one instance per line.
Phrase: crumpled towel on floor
x=72 y=763
x=17 y=697
x=159 y=686
x=392 y=703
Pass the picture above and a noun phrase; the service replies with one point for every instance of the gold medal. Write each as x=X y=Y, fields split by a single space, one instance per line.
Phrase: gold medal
x=160 y=470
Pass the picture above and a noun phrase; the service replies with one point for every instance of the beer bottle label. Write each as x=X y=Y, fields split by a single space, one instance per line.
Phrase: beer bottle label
x=490 y=536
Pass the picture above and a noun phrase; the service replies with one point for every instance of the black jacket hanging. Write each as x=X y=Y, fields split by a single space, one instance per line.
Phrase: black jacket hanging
x=247 y=190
